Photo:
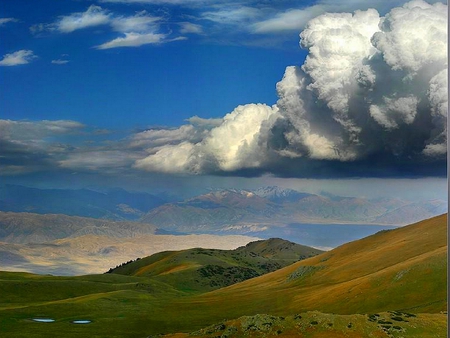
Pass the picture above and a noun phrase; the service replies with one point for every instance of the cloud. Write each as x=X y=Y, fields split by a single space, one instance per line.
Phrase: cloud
x=370 y=99
x=232 y=15
x=33 y=132
x=4 y=21
x=157 y=2
x=228 y=146
x=190 y=28
x=98 y=159
x=94 y=16
x=137 y=30
x=27 y=146
x=60 y=62
x=133 y=40
x=20 y=57
x=141 y=22
x=290 y=20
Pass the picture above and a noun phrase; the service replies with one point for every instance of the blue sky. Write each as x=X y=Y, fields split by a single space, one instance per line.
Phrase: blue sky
x=158 y=91
x=159 y=83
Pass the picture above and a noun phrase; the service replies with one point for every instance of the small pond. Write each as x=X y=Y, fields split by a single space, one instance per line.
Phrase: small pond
x=81 y=321
x=43 y=320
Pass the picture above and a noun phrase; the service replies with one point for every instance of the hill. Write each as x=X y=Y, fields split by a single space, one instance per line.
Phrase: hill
x=204 y=270
x=390 y=284
x=401 y=269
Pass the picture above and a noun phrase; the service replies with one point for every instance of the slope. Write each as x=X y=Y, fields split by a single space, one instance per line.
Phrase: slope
x=204 y=270
x=401 y=269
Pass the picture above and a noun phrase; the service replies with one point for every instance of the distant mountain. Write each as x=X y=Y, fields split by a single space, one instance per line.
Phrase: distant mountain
x=280 y=195
x=209 y=269
x=116 y=204
x=240 y=211
x=412 y=212
x=35 y=228
x=213 y=211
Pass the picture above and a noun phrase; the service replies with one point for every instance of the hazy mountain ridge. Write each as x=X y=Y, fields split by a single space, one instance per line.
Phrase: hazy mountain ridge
x=115 y=204
x=266 y=207
x=36 y=228
x=218 y=209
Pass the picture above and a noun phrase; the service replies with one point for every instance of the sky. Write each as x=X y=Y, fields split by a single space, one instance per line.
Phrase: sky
x=183 y=95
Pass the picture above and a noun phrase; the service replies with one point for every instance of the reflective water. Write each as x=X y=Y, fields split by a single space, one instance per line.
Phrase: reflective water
x=44 y=320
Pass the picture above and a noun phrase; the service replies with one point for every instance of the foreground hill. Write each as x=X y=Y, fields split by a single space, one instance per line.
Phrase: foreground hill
x=209 y=269
x=402 y=269
x=395 y=278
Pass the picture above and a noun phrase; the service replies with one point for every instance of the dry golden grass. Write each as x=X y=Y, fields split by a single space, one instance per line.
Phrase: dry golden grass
x=403 y=268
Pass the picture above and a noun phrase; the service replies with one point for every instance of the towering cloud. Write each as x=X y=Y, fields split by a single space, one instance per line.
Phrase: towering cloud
x=371 y=89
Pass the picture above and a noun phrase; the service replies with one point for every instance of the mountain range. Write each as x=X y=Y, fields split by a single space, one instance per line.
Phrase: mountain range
x=240 y=211
x=230 y=210
x=115 y=204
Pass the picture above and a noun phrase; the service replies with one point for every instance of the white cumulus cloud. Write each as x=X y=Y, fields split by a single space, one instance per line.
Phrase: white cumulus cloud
x=233 y=144
x=372 y=88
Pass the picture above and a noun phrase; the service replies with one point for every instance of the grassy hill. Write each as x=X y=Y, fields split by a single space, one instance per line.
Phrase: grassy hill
x=208 y=269
x=401 y=269
x=397 y=276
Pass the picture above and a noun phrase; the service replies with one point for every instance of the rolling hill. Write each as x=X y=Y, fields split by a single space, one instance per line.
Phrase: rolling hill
x=390 y=284
x=202 y=270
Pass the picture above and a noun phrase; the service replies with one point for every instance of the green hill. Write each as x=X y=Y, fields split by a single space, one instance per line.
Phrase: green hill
x=204 y=270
